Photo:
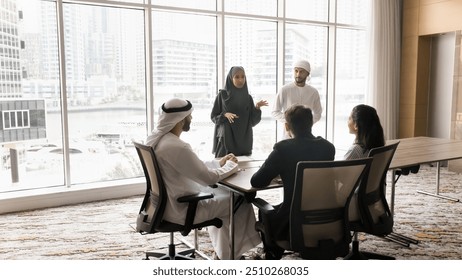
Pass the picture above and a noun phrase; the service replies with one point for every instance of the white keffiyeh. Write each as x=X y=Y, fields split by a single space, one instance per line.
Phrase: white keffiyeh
x=170 y=113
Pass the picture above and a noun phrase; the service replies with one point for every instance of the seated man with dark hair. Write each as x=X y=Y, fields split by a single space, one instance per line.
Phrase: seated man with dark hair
x=302 y=146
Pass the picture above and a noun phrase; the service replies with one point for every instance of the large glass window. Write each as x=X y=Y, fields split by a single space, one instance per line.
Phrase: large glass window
x=307 y=9
x=309 y=43
x=184 y=66
x=350 y=82
x=252 y=45
x=104 y=81
x=196 y=4
x=106 y=96
x=353 y=12
x=256 y=7
x=25 y=159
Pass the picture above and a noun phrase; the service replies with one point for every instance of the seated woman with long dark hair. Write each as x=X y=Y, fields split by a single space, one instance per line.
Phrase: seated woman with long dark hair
x=364 y=123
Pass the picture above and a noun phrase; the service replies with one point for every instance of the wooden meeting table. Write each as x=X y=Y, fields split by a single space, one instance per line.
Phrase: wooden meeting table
x=410 y=154
x=239 y=188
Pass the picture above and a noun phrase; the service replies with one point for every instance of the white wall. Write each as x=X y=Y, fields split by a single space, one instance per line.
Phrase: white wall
x=441 y=85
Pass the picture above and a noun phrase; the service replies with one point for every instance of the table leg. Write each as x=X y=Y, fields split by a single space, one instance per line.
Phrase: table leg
x=231 y=225
x=393 y=236
x=437 y=194
x=393 y=185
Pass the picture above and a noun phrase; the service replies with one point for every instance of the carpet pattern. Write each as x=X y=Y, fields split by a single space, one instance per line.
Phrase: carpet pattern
x=104 y=230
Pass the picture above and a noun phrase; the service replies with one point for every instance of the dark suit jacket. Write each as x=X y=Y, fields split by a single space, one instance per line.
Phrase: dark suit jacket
x=283 y=161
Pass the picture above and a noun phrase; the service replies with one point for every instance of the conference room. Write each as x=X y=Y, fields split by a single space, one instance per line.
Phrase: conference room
x=80 y=80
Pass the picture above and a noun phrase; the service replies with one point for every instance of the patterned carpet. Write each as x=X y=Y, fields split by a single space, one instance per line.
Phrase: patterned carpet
x=104 y=230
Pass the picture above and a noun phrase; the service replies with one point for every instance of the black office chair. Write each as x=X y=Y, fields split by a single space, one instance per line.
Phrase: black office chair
x=150 y=218
x=318 y=220
x=369 y=210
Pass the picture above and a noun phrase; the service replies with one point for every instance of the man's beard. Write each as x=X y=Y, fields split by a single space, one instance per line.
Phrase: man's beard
x=186 y=126
x=300 y=80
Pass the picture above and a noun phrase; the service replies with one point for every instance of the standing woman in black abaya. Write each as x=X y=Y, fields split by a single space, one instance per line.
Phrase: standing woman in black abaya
x=235 y=114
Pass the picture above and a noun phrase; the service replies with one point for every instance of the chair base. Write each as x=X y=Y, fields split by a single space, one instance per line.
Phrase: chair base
x=355 y=254
x=172 y=255
x=400 y=239
x=361 y=255
x=188 y=254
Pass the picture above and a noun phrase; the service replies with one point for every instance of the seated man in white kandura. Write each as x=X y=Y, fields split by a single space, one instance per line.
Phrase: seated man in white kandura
x=184 y=173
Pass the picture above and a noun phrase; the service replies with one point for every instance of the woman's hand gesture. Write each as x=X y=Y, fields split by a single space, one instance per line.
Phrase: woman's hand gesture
x=231 y=117
x=261 y=103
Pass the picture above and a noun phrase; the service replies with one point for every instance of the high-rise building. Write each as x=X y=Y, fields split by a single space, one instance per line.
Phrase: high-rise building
x=10 y=45
x=20 y=118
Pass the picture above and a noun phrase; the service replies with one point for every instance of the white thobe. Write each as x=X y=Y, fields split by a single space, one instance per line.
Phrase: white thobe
x=291 y=94
x=184 y=173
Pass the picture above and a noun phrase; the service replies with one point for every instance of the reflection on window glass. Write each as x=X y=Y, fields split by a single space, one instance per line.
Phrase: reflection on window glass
x=350 y=84
x=256 y=7
x=308 y=43
x=105 y=91
x=30 y=87
x=252 y=45
x=184 y=66
x=308 y=9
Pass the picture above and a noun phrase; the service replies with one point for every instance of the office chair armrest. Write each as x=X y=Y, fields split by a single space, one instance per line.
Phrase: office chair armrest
x=194 y=197
x=192 y=201
x=263 y=226
x=262 y=205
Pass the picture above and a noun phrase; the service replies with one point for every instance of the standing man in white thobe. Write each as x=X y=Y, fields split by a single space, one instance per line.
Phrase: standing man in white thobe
x=297 y=92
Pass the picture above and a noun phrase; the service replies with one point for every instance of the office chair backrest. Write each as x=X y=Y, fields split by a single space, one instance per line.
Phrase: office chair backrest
x=319 y=216
x=376 y=217
x=154 y=202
